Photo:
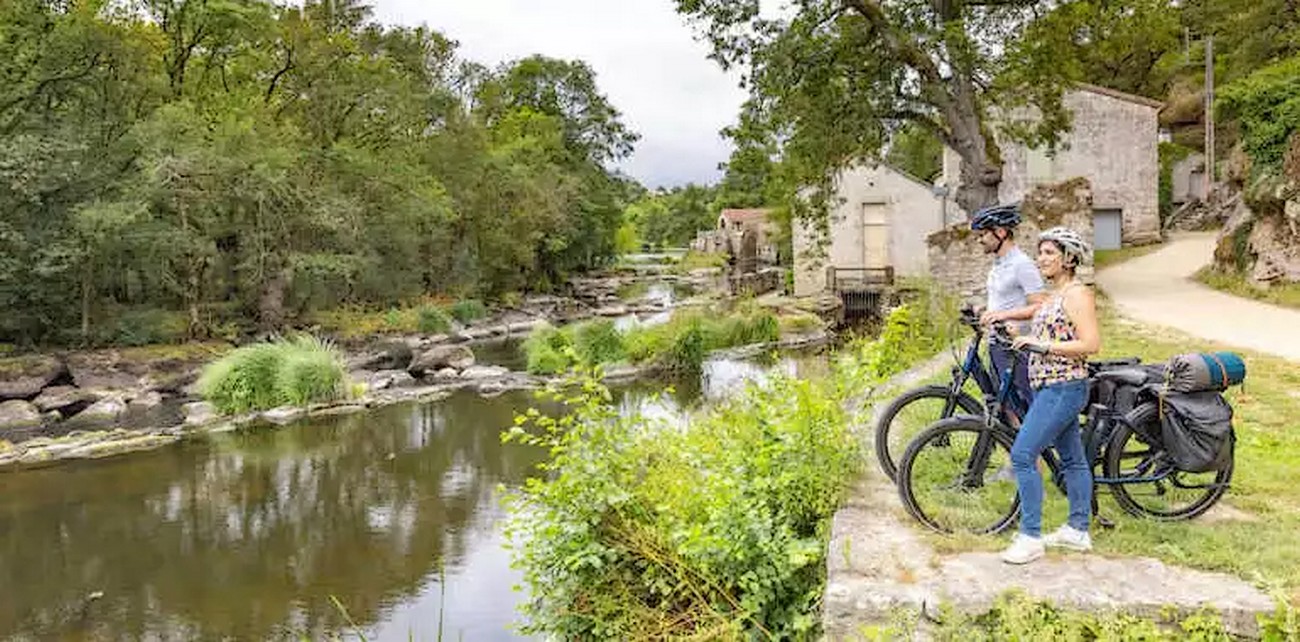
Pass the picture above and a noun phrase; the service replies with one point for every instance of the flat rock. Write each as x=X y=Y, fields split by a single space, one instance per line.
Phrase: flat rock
x=17 y=413
x=440 y=357
x=524 y=327
x=388 y=355
x=24 y=377
x=484 y=372
x=612 y=311
x=283 y=414
x=388 y=379
x=446 y=373
x=60 y=397
x=145 y=402
x=198 y=413
x=105 y=410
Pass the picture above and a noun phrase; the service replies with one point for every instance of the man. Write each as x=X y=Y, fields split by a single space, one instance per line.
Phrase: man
x=1015 y=288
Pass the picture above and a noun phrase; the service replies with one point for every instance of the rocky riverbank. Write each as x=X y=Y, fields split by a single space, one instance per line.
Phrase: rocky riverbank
x=430 y=375
x=53 y=394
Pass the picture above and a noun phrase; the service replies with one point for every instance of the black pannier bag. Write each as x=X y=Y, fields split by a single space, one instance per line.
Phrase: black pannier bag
x=1196 y=429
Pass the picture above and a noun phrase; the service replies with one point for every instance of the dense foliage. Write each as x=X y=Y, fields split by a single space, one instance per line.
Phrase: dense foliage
x=712 y=530
x=680 y=344
x=1267 y=106
x=247 y=162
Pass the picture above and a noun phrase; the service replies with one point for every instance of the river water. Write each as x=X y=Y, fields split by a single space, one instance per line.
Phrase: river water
x=255 y=534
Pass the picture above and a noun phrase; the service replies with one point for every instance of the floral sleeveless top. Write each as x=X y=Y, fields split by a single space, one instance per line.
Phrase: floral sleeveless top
x=1051 y=323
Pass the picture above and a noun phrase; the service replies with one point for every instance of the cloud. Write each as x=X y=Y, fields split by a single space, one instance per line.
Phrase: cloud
x=646 y=62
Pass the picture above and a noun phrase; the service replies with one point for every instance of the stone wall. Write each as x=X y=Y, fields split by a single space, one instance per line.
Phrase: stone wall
x=958 y=262
x=1112 y=143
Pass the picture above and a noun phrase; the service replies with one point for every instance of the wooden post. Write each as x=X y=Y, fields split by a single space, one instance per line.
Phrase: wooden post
x=1209 y=114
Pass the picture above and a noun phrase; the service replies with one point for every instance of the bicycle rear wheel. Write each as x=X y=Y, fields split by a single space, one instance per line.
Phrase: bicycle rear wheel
x=1174 y=494
x=909 y=414
x=956 y=477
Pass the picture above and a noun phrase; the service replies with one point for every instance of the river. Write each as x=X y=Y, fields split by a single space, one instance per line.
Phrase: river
x=253 y=534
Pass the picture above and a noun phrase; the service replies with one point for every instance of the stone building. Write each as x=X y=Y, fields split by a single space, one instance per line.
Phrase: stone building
x=880 y=217
x=730 y=230
x=1112 y=144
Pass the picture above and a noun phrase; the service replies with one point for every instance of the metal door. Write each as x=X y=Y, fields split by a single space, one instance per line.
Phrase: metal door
x=1108 y=229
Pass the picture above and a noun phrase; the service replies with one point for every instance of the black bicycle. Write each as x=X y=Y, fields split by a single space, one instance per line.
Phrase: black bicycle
x=956 y=474
x=909 y=413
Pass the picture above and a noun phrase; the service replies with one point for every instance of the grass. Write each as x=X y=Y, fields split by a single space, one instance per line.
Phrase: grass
x=1251 y=533
x=296 y=371
x=1109 y=258
x=1286 y=295
x=694 y=260
x=680 y=344
x=429 y=316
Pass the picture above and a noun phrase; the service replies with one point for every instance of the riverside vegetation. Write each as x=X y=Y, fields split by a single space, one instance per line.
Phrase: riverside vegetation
x=284 y=372
x=681 y=344
x=714 y=530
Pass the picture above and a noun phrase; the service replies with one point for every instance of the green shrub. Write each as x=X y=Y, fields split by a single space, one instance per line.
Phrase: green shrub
x=433 y=320
x=265 y=375
x=714 y=531
x=467 y=310
x=599 y=342
x=690 y=347
x=549 y=350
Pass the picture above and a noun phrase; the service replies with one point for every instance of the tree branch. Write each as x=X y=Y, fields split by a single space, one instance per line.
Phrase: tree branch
x=288 y=64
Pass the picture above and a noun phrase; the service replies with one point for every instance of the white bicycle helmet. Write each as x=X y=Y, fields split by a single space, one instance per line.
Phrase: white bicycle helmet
x=1070 y=242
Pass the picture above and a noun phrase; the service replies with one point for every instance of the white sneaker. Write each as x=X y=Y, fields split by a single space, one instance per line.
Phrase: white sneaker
x=1068 y=537
x=1023 y=550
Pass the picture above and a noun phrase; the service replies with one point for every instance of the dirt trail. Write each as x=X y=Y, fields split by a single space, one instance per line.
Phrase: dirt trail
x=1157 y=288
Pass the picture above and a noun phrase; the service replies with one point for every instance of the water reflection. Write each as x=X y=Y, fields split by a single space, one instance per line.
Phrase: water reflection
x=248 y=535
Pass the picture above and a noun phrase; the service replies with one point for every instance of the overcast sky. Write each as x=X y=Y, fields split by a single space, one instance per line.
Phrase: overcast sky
x=646 y=60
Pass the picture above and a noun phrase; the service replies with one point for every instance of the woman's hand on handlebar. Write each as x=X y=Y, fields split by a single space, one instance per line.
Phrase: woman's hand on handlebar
x=1029 y=344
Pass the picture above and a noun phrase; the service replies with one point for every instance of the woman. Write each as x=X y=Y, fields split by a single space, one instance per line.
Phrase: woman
x=1063 y=333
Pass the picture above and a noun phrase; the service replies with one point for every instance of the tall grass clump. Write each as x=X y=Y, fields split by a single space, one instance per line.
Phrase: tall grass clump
x=716 y=530
x=432 y=319
x=467 y=310
x=295 y=371
x=549 y=350
x=598 y=342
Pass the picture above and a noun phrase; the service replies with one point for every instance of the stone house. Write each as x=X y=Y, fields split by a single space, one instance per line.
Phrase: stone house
x=879 y=218
x=731 y=227
x=1112 y=144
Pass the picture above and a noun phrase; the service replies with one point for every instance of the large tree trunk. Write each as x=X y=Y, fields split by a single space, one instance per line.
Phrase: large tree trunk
x=981 y=163
x=270 y=303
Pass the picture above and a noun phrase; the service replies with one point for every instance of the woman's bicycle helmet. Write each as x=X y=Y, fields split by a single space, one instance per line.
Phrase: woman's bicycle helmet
x=1069 y=241
x=1007 y=216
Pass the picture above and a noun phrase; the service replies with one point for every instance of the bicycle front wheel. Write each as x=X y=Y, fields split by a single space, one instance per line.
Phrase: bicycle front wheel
x=909 y=414
x=956 y=477
x=1166 y=493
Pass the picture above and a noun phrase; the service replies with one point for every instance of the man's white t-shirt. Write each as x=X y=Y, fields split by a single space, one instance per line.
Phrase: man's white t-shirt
x=1013 y=278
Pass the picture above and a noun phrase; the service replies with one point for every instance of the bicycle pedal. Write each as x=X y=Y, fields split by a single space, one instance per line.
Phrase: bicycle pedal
x=1104 y=522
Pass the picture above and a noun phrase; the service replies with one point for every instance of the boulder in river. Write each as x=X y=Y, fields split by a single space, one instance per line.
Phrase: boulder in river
x=389 y=355
x=68 y=400
x=18 y=414
x=437 y=358
x=24 y=377
x=198 y=413
x=106 y=410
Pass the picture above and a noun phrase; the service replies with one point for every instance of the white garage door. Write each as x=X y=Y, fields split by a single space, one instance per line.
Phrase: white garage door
x=1108 y=229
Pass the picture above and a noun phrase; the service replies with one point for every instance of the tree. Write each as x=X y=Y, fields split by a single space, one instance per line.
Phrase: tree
x=916 y=151
x=831 y=80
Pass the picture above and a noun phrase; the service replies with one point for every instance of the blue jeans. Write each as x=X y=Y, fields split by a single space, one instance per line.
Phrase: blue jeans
x=1053 y=420
x=1002 y=357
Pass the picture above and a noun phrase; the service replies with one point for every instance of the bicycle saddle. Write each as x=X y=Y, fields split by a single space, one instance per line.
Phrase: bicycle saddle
x=1124 y=376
